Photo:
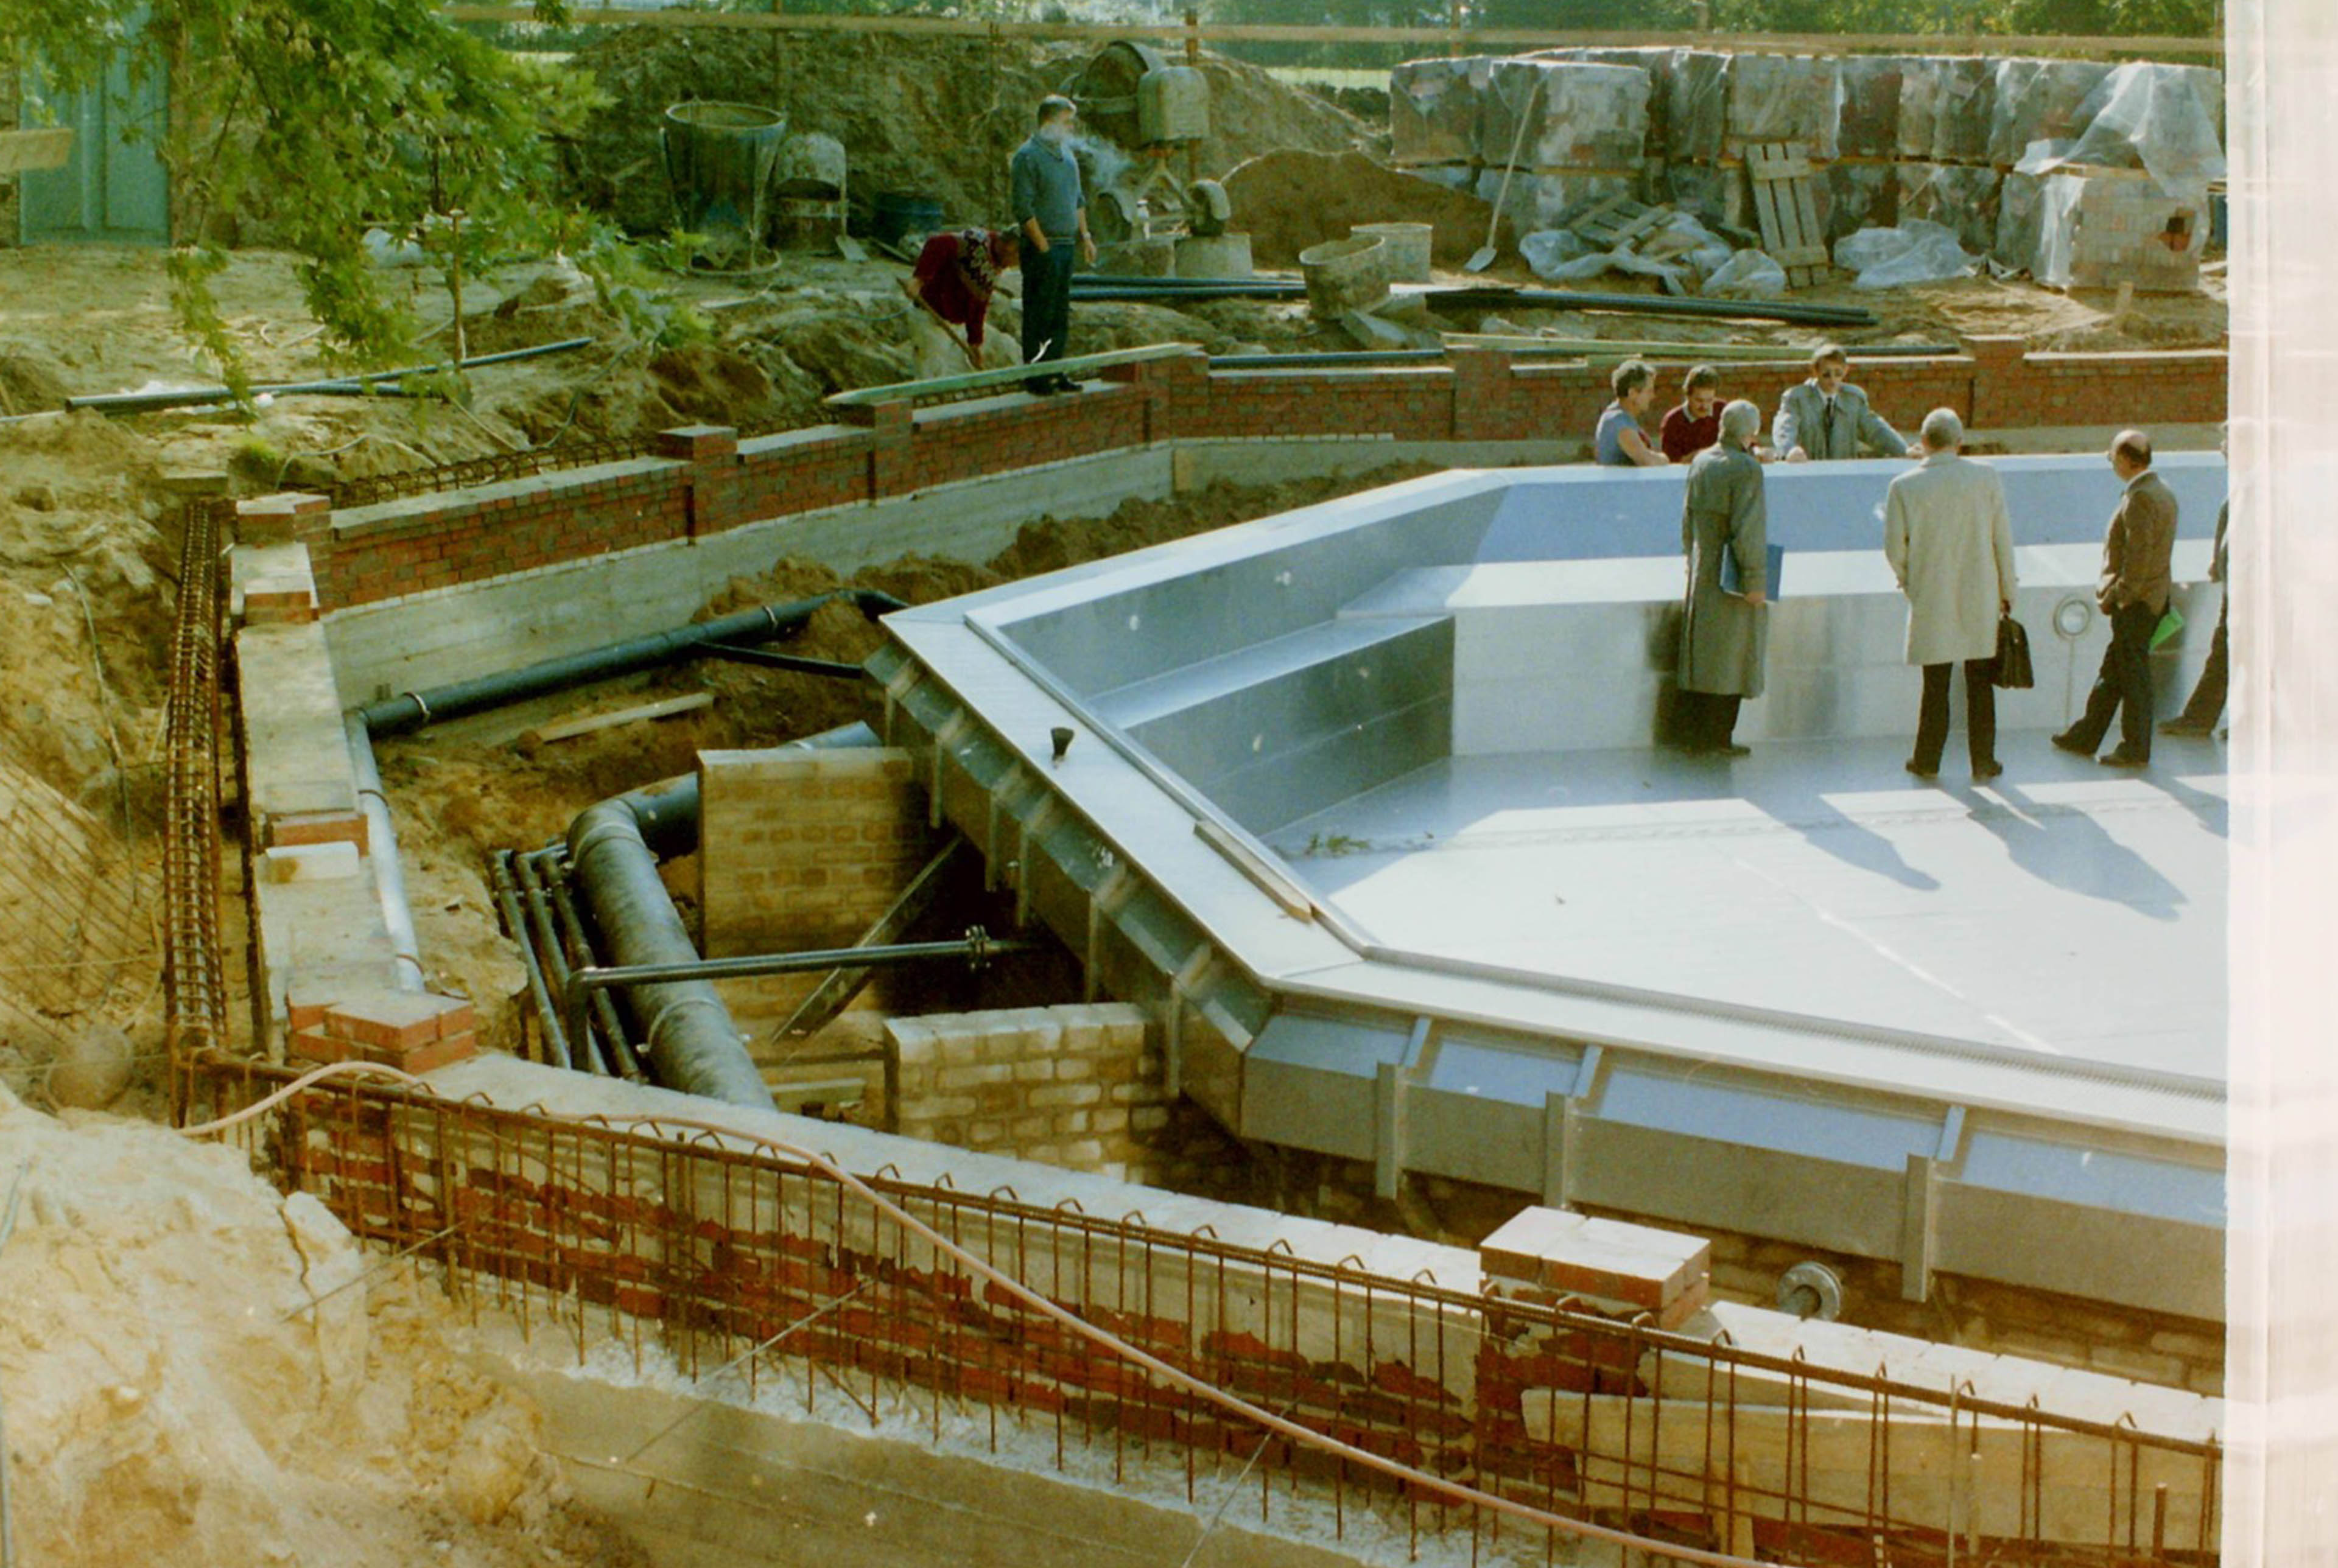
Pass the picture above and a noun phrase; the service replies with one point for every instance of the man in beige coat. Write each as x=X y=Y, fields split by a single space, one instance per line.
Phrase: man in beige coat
x=1950 y=546
x=2134 y=594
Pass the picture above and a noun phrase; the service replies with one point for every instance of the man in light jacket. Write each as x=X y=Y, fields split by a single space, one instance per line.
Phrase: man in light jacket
x=1950 y=546
x=1826 y=416
x=1723 y=634
x=2134 y=594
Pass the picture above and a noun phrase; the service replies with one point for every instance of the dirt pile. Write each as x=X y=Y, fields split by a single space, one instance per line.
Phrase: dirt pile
x=200 y=1372
x=935 y=117
x=1291 y=198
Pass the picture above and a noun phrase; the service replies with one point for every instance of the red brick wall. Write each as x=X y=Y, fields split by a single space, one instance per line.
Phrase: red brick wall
x=708 y=484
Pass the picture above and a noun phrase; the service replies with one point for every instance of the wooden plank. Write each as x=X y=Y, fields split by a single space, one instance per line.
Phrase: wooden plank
x=592 y=724
x=1806 y=208
x=1967 y=1477
x=1009 y=376
x=1599 y=223
x=47 y=148
x=1765 y=213
x=2085 y=47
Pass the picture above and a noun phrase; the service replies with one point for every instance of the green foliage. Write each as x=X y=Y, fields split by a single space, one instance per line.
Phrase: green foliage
x=329 y=117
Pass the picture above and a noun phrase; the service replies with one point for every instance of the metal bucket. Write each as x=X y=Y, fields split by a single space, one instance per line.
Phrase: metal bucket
x=1407 y=248
x=718 y=164
x=1344 y=275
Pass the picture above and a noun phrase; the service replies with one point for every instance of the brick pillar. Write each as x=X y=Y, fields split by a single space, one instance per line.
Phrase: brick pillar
x=1484 y=394
x=1176 y=392
x=291 y=517
x=2000 y=394
x=711 y=488
x=892 y=429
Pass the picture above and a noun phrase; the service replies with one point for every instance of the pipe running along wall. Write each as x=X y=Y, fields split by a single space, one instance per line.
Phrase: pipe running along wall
x=615 y=846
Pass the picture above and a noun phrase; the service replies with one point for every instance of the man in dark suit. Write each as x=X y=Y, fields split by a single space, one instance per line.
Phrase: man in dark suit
x=2207 y=705
x=2134 y=594
x=1723 y=634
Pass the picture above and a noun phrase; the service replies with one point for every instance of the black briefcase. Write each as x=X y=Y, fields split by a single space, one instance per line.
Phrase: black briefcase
x=2013 y=669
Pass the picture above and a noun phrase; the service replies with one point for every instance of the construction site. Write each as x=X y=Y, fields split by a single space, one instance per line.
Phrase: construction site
x=685 y=911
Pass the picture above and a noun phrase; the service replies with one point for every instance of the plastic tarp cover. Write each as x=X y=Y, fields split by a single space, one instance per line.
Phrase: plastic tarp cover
x=1871 y=106
x=1946 y=109
x=1543 y=199
x=1959 y=197
x=1435 y=107
x=2159 y=118
x=1915 y=252
x=2039 y=100
x=2020 y=218
x=1792 y=98
x=1579 y=116
x=1860 y=196
x=1747 y=275
x=1696 y=109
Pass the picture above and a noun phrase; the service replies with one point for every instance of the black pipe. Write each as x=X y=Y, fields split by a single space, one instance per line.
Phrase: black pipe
x=618 y=1052
x=412 y=709
x=199 y=397
x=748 y=965
x=686 y=1032
x=576 y=1048
x=1496 y=297
x=507 y=900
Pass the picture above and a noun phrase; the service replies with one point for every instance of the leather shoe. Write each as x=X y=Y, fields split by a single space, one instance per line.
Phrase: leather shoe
x=1985 y=771
x=2183 y=726
x=1732 y=749
x=1044 y=386
x=1919 y=771
x=2123 y=757
x=2065 y=743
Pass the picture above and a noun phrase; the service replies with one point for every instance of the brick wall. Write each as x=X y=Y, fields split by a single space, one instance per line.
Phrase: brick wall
x=705 y=482
x=1081 y=1087
x=814 y=848
x=1339 y=1328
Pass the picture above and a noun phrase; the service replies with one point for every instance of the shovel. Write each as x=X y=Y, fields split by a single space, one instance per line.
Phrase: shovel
x=1485 y=256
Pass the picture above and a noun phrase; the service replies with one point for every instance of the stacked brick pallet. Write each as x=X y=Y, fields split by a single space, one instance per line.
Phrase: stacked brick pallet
x=1889 y=138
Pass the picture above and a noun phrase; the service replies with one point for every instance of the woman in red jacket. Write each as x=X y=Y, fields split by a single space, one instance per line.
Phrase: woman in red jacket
x=958 y=273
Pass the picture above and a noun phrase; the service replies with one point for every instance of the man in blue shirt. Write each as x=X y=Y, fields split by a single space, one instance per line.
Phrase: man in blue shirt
x=1052 y=212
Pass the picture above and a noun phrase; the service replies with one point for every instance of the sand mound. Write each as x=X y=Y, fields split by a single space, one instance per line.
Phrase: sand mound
x=1292 y=199
x=198 y=1372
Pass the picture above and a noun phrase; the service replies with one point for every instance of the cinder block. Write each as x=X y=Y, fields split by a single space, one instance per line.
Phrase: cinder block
x=388 y=1020
x=1566 y=1253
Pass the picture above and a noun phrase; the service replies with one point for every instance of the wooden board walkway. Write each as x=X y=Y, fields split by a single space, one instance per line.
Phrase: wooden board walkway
x=1787 y=210
x=1003 y=379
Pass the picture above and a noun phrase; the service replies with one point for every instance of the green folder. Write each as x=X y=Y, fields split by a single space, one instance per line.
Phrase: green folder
x=2169 y=625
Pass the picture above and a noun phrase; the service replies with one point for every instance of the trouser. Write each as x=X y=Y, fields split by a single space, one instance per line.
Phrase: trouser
x=1048 y=299
x=2207 y=703
x=2124 y=685
x=1981 y=715
x=1704 y=721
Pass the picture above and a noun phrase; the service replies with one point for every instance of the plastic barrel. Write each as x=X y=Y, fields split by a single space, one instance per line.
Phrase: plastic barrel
x=1407 y=248
x=898 y=214
x=718 y=164
x=1344 y=275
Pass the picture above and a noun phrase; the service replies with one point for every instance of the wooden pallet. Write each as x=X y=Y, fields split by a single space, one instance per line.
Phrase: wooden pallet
x=1619 y=221
x=1787 y=210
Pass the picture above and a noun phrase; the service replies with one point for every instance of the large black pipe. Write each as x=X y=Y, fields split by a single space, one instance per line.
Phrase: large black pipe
x=688 y=1040
x=412 y=709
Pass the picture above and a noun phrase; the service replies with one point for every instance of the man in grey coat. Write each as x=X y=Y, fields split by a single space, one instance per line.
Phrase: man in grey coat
x=1722 y=633
x=2134 y=594
x=1950 y=546
x=1826 y=416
